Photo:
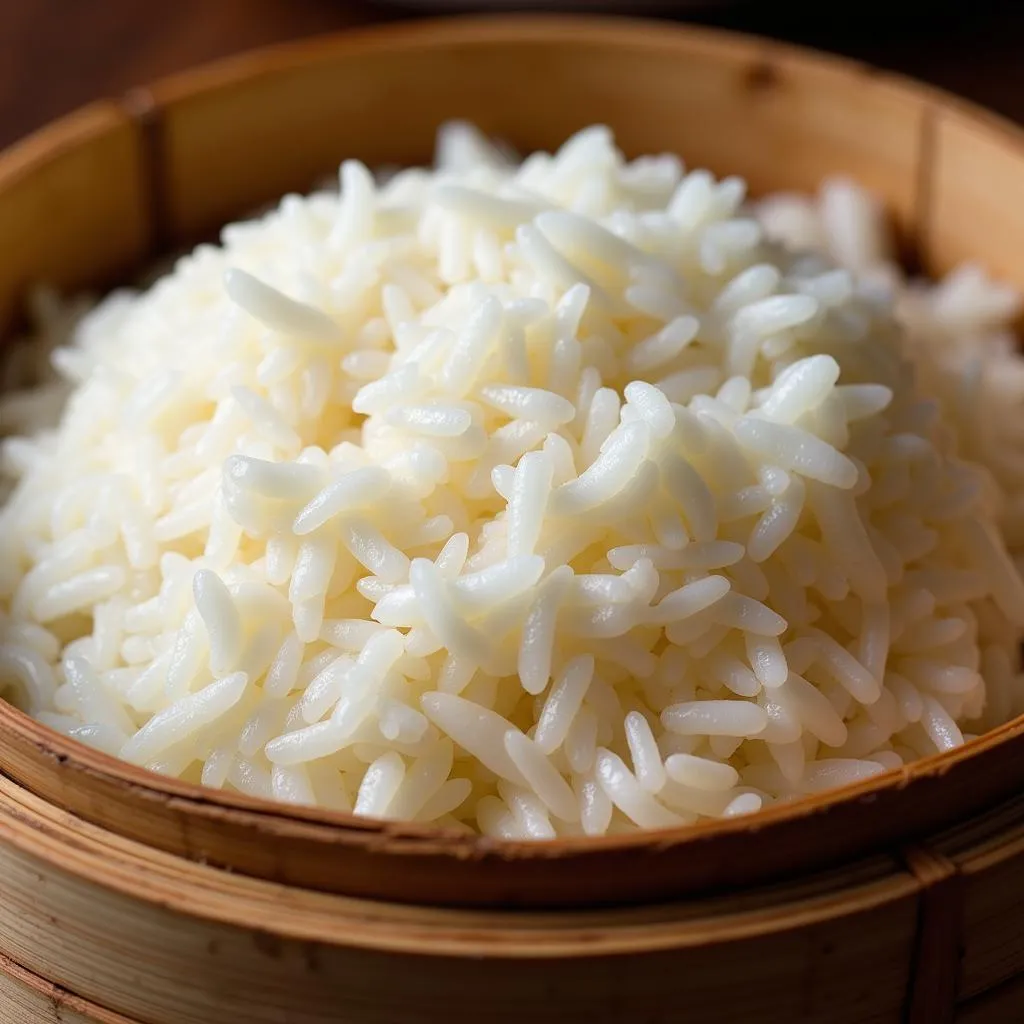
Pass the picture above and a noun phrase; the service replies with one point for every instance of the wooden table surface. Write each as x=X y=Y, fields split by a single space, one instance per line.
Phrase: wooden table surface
x=58 y=54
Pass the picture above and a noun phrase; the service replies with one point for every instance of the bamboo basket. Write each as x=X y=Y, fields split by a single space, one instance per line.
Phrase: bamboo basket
x=25 y=998
x=101 y=928
x=891 y=898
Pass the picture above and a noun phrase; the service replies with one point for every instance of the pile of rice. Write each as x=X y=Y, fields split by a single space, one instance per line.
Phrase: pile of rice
x=532 y=499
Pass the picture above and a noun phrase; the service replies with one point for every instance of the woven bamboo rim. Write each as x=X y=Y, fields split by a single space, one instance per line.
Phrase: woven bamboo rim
x=118 y=933
x=83 y=904
x=198 y=149
x=25 y=998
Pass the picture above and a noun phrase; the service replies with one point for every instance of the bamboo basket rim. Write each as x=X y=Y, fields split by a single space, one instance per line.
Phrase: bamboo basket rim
x=129 y=868
x=330 y=827
x=315 y=821
x=534 y=27
x=57 y=997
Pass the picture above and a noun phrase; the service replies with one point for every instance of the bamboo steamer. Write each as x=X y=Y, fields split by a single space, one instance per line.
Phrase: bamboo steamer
x=894 y=898
x=101 y=928
x=167 y=165
x=168 y=941
x=25 y=997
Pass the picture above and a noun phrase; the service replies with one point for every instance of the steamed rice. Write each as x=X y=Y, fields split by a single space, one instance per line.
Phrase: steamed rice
x=568 y=497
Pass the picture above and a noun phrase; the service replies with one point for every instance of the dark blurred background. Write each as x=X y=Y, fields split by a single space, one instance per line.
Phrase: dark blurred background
x=58 y=54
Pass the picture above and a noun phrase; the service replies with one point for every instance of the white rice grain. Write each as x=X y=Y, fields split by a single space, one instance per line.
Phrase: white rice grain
x=534 y=499
x=183 y=719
